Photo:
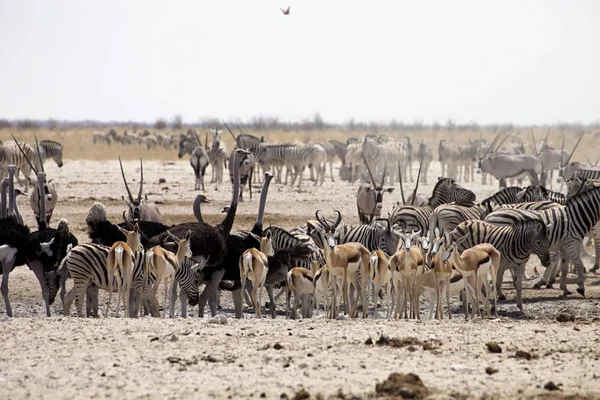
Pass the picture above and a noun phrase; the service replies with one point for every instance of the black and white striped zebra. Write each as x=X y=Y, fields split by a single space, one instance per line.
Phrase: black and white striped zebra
x=11 y=155
x=579 y=216
x=446 y=190
x=446 y=217
x=505 y=196
x=284 y=240
x=515 y=243
x=578 y=169
x=449 y=156
x=540 y=193
x=217 y=154
x=300 y=156
x=272 y=156
x=53 y=150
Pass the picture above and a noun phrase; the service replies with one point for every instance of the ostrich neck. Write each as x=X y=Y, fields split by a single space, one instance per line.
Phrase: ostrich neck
x=263 y=202
x=229 y=218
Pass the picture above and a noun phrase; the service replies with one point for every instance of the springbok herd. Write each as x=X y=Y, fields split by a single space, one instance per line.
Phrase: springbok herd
x=433 y=244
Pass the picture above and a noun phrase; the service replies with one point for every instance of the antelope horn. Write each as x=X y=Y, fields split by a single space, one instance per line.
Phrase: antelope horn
x=503 y=140
x=575 y=148
x=368 y=169
x=490 y=149
x=412 y=202
x=588 y=159
x=175 y=238
x=125 y=180
x=37 y=148
x=383 y=178
x=243 y=137
x=141 y=179
x=546 y=139
x=535 y=150
x=24 y=155
x=400 y=179
x=198 y=138
x=232 y=135
x=322 y=221
x=337 y=220
x=126 y=221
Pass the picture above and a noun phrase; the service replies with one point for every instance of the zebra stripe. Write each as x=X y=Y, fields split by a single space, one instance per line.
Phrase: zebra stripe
x=539 y=193
x=515 y=244
x=417 y=218
x=284 y=240
x=505 y=196
x=447 y=216
x=51 y=149
x=373 y=237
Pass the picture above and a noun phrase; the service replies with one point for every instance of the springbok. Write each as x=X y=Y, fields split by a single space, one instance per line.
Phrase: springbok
x=254 y=266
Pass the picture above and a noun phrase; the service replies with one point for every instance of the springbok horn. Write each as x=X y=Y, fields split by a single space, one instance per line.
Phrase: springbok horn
x=412 y=202
x=401 y=188
x=232 y=135
x=126 y=221
x=337 y=220
x=37 y=148
x=575 y=148
x=175 y=238
x=323 y=221
x=141 y=179
x=24 y=155
x=125 y=180
x=368 y=169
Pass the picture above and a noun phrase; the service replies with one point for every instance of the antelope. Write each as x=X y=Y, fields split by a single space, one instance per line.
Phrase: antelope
x=346 y=261
x=321 y=281
x=299 y=282
x=163 y=264
x=477 y=261
x=408 y=263
x=369 y=199
x=254 y=266
x=381 y=276
x=139 y=209
x=438 y=278
x=121 y=257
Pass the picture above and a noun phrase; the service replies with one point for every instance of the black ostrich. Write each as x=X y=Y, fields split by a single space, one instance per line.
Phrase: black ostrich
x=208 y=243
x=228 y=269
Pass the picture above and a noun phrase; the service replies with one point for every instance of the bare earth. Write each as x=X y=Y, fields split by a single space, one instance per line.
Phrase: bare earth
x=66 y=357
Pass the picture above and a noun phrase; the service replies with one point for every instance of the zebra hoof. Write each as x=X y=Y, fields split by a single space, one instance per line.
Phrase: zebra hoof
x=566 y=293
x=501 y=297
x=549 y=285
x=581 y=291
x=538 y=285
x=594 y=268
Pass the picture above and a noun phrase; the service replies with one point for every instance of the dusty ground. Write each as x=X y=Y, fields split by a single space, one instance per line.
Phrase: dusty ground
x=64 y=357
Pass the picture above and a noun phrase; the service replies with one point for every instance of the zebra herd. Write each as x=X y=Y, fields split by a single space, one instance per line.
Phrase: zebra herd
x=144 y=139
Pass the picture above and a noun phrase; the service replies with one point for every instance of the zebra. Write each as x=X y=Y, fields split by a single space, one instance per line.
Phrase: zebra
x=577 y=169
x=540 y=193
x=101 y=137
x=468 y=155
x=515 y=244
x=199 y=159
x=505 y=196
x=331 y=152
x=424 y=156
x=51 y=149
x=217 y=154
x=300 y=156
x=446 y=190
x=383 y=157
x=449 y=156
x=282 y=239
x=446 y=217
x=272 y=156
x=580 y=214
x=373 y=237
x=11 y=155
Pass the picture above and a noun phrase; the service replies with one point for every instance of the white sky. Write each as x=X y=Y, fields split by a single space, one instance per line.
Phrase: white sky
x=502 y=61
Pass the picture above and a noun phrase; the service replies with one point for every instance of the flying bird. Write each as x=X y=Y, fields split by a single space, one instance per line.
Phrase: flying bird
x=286 y=11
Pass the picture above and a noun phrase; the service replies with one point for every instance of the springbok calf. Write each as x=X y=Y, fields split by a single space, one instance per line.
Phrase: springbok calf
x=321 y=281
x=409 y=263
x=476 y=261
x=299 y=282
x=121 y=258
x=346 y=261
x=254 y=266
x=163 y=264
x=381 y=276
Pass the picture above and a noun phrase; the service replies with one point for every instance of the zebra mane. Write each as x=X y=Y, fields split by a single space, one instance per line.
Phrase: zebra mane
x=281 y=233
x=50 y=142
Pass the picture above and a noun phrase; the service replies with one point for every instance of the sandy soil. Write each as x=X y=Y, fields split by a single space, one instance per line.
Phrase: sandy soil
x=64 y=357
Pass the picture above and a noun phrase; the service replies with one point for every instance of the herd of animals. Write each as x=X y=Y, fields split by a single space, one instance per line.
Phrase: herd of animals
x=436 y=245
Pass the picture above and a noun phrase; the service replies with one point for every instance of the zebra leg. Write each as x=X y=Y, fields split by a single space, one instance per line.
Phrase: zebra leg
x=173 y=298
x=499 y=279
x=68 y=301
x=573 y=254
x=331 y=171
x=519 y=273
x=596 y=234
x=238 y=303
x=272 y=307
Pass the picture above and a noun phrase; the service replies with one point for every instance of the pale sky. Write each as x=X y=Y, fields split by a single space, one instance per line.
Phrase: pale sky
x=488 y=61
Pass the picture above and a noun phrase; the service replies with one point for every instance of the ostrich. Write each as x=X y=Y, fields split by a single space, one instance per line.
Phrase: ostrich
x=228 y=270
x=208 y=243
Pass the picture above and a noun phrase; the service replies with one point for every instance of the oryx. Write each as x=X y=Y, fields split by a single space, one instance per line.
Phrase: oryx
x=369 y=199
x=139 y=209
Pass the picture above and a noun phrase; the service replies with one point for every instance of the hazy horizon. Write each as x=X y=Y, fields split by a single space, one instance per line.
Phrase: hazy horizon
x=530 y=62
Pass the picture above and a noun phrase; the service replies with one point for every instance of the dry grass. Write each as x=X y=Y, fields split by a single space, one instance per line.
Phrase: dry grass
x=78 y=142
